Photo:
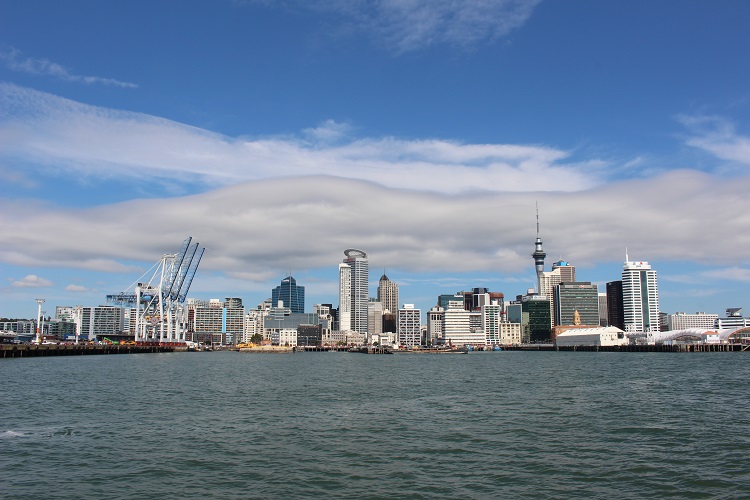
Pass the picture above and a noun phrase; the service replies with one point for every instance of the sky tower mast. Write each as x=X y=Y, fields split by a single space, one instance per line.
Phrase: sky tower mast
x=538 y=254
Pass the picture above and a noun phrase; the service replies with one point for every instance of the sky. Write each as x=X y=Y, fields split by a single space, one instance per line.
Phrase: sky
x=277 y=134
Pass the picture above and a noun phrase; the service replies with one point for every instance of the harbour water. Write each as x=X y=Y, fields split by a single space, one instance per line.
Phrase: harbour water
x=339 y=425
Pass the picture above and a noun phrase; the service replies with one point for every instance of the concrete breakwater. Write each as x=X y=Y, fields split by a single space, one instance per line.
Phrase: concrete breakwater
x=25 y=351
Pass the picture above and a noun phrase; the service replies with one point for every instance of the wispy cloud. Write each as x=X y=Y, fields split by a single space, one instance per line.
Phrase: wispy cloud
x=32 y=281
x=76 y=289
x=41 y=129
x=407 y=26
x=15 y=61
x=718 y=136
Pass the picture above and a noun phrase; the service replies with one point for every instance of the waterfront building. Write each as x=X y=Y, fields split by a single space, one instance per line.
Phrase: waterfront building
x=99 y=321
x=640 y=297
x=457 y=329
x=253 y=324
x=615 y=312
x=601 y=336
x=535 y=310
x=491 y=321
x=510 y=333
x=733 y=319
x=309 y=335
x=374 y=317
x=409 y=326
x=684 y=321
x=284 y=337
x=435 y=319
x=576 y=304
x=291 y=294
x=388 y=294
x=216 y=321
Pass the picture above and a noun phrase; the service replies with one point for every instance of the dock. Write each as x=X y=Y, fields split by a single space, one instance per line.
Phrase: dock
x=33 y=350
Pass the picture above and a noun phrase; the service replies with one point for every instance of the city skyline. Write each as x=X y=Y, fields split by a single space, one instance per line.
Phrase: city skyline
x=426 y=134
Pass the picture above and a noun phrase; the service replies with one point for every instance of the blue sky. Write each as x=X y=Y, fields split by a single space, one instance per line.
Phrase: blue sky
x=278 y=134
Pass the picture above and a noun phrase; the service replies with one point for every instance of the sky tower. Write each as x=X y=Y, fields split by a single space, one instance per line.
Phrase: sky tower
x=538 y=254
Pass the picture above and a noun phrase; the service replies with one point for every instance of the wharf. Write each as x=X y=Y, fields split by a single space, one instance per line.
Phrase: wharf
x=658 y=348
x=31 y=350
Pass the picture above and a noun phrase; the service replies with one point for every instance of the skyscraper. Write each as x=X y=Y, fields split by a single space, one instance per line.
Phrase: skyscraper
x=291 y=294
x=388 y=294
x=615 y=313
x=640 y=297
x=345 y=297
x=577 y=303
x=357 y=276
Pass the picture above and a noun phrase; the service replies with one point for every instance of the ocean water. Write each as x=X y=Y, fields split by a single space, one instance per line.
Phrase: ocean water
x=340 y=425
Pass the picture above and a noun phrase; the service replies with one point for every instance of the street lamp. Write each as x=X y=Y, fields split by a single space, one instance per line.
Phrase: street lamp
x=38 y=319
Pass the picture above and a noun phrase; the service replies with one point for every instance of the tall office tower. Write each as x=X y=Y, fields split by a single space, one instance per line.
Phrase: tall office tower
x=576 y=304
x=409 y=326
x=548 y=280
x=291 y=294
x=535 y=320
x=615 y=313
x=567 y=271
x=345 y=297
x=640 y=297
x=356 y=260
x=538 y=255
x=388 y=294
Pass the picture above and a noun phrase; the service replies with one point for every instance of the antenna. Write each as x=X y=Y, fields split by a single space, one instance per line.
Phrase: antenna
x=537 y=219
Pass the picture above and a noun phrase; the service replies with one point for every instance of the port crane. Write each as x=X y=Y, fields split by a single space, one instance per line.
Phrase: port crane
x=159 y=302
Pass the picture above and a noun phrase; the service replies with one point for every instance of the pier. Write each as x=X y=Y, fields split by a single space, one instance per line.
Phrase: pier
x=32 y=350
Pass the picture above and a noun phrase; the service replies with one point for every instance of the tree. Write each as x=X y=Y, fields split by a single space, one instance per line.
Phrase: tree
x=256 y=339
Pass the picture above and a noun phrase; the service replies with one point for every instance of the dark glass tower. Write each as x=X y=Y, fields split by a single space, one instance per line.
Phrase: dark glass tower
x=292 y=295
x=615 y=308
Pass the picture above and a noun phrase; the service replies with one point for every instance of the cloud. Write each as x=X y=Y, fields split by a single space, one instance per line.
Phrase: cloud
x=76 y=288
x=717 y=136
x=14 y=61
x=274 y=225
x=32 y=281
x=40 y=129
x=406 y=26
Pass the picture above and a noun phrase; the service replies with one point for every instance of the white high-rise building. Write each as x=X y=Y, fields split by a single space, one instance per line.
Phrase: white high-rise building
x=409 y=326
x=358 y=281
x=640 y=297
x=345 y=297
x=491 y=319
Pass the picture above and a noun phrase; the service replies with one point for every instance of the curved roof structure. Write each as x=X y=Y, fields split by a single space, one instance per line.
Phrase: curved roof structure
x=699 y=333
x=353 y=252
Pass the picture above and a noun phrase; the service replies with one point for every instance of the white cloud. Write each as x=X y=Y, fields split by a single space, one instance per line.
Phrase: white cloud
x=16 y=62
x=717 y=136
x=41 y=129
x=270 y=226
x=76 y=288
x=32 y=281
